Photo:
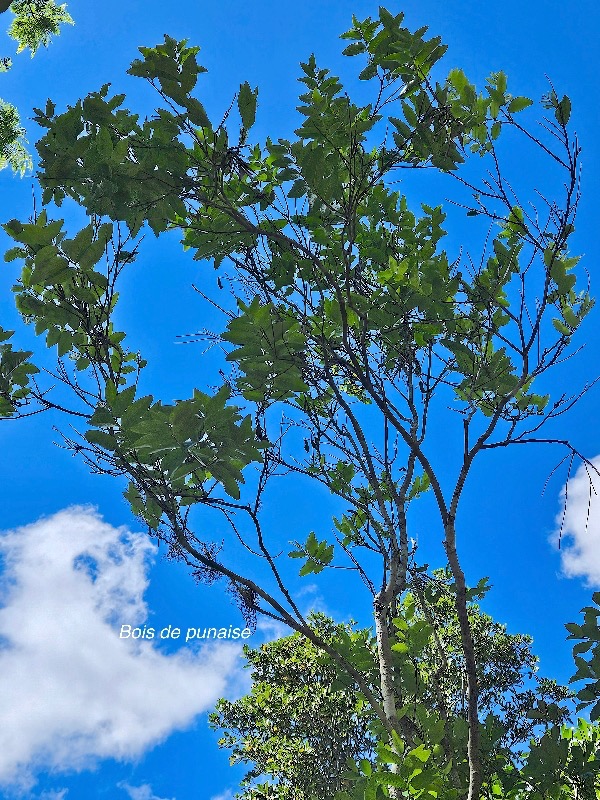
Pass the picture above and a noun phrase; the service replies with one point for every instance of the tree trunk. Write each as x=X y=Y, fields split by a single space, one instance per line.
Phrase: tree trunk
x=474 y=753
x=386 y=674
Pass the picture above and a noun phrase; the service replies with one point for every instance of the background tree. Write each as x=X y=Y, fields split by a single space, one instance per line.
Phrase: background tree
x=294 y=726
x=12 y=148
x=303 y=722
x=354 y=325
x=34 y=24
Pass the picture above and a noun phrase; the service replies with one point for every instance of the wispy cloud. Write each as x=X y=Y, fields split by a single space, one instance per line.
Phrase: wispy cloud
x=78 y=693
x=143 y=792
x=271 y=629
x=226 y=795
x=580 y=536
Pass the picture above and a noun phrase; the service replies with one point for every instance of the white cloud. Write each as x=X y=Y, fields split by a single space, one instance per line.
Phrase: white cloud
x=270 y=629
x=60 y=794
x=308 y=588
x=143 y=792
x=226 y=795
x=78 y=692
x=580 y=539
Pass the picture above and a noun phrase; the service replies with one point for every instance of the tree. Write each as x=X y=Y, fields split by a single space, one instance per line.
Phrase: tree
x=303 y=722
x=35 y=22
x=294 y=726
x=354 y=326
x=12 y=149
x=33 y=25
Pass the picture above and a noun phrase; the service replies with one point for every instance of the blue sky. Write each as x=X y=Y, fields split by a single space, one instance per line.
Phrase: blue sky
x=90 y=714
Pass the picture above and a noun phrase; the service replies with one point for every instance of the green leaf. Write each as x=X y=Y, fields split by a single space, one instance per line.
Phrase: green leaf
x=570 y=317
x=196 y=113
x=104 y=144
x=299 y=189
x=368 y=72
x=519 y=104
x=457 y=79
x=561 y=327
x=420 y=752
x=307 y=568
x=102 y=416
x=388 y=756
x=354 y=49
x=419 y=486
x=563 y=111
x=102 y=438
x=247 y=104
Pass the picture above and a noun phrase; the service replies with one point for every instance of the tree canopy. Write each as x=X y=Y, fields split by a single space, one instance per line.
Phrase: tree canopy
x=349 y=326
x=33 y=25
x=303 y=723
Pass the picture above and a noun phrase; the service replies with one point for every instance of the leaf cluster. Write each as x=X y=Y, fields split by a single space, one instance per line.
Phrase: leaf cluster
x=36 y=21
x=16 y=370
x=12 y=148
x=587 y=636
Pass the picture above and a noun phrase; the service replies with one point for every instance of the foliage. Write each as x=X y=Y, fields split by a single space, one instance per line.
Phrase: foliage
x=302 y=722
x=429 y=644
x=588 y=669
x=12 y=149
x=33 y=25
x=293 y=726
x=35 y=22
x=355 y=326
x=15 y=372
x=562 y=765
